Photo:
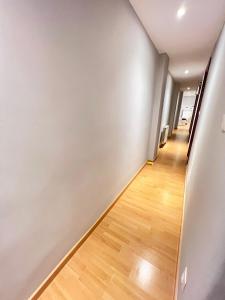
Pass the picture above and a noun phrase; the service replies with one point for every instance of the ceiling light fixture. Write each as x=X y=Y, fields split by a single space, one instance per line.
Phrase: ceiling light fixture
x=186 y=71
x=188 y=88
x=181 y=12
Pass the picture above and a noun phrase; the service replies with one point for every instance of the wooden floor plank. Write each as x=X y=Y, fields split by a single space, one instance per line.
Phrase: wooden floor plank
x=132 y=254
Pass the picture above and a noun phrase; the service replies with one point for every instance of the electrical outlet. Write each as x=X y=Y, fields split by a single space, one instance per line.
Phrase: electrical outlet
x=183 y=279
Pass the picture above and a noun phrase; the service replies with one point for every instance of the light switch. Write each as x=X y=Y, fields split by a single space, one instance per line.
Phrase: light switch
x=223 y=124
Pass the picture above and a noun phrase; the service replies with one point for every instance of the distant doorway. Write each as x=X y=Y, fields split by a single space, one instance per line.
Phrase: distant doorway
x=187 y=108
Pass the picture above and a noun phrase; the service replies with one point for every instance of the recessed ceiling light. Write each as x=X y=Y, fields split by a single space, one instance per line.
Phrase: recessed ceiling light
x=188 y=88
x=186 y=71
x=181 y=12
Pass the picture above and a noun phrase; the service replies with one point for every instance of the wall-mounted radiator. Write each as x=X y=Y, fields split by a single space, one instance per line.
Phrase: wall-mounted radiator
x=164 y=135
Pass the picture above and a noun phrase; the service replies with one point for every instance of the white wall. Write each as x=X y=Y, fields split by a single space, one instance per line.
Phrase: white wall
x=159 y=94
x=77 y=85
x=173 y=106
x=188 y=101
x=178 y=108
x=203 y=241
x=167 y=101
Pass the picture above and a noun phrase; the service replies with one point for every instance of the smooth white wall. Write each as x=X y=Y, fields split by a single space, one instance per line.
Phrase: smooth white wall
x=173 y=105
x=167 y=101
x=188 y=101
x=77 y=87
x=203 y=237
x=156 y=116
x=178 y=108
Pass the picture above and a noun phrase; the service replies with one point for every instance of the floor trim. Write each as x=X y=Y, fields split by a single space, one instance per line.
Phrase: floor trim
x=69 y=254
x=180 y=242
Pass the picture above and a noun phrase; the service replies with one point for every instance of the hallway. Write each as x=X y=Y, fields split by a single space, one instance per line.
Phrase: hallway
x=132 y=254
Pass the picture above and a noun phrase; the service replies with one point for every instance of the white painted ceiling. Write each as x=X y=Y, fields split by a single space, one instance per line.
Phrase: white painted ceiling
x=188 y=41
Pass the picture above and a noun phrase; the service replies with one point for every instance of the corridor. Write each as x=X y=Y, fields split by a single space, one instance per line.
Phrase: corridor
x=132 y=254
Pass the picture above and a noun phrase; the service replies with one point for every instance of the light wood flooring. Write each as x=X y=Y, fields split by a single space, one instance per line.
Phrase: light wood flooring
x=132 y=254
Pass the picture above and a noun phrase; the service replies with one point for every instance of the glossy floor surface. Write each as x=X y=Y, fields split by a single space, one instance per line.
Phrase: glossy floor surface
x=132 y=254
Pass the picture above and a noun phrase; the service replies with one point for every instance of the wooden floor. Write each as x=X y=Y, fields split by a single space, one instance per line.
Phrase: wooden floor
x=132 y=254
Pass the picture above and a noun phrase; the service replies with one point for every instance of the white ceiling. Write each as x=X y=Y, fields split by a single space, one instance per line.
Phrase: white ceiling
x=188 y=41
